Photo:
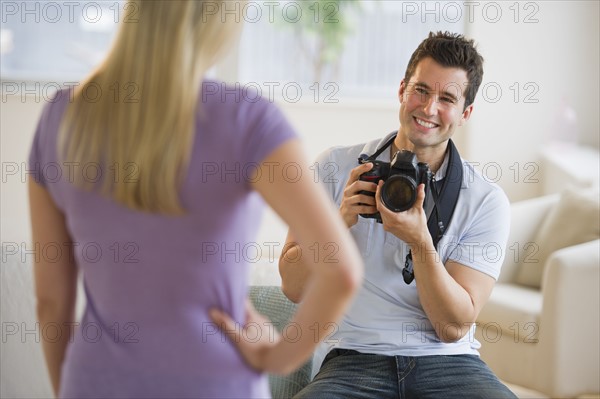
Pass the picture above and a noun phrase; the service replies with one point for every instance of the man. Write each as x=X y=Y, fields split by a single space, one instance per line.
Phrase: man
x=416 y=339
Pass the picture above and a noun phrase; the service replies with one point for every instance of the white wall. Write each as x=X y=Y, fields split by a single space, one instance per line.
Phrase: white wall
x=17 y=124
x=560 y=54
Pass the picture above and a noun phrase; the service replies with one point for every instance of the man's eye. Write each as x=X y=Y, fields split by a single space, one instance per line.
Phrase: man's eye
x=447 y=100
x=421 y=90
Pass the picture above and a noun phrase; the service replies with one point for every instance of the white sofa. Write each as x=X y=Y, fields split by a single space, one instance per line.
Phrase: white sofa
x=545 y=339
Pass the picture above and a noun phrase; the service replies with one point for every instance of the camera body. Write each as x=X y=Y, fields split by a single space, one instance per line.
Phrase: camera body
x=401 y=178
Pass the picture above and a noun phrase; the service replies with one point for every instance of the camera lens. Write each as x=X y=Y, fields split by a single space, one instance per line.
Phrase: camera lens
x=399 y=193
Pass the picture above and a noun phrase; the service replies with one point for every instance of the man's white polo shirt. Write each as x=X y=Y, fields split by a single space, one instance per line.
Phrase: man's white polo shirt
x=386 y=316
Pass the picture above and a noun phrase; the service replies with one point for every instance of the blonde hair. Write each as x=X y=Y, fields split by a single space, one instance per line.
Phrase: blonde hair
x=143 y=120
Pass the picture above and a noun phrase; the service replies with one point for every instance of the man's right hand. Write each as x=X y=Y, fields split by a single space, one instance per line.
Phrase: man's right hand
x=354 y=203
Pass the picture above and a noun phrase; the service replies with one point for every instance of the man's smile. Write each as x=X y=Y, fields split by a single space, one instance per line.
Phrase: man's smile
x=425 y=123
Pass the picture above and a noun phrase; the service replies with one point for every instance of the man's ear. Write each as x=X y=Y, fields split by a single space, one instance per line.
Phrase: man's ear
x=466 y=115
x=401 y=91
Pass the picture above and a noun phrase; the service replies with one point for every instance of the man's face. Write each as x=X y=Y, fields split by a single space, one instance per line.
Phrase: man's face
x=432 y=103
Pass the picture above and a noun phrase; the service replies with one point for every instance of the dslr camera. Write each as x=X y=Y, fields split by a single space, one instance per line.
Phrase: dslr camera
x=401 y=178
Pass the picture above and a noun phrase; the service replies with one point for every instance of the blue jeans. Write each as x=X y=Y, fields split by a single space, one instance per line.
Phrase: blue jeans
x=349 y=374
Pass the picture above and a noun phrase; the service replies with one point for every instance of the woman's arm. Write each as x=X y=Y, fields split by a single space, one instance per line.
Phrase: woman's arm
x=294 y=271
x=336 y=267
x=55 y=280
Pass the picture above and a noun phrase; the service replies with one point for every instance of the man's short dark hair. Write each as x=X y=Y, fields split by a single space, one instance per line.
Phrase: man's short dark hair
x=450 y=50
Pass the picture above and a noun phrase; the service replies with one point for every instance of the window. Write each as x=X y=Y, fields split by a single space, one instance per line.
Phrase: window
x=55 y=41
x=381 y=37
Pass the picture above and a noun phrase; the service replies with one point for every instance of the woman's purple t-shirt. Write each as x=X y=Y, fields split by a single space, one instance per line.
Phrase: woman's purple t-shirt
x=150 y=279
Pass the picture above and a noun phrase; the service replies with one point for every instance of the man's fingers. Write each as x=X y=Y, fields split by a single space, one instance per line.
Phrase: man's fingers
x=363 y=199
x=365 y=185
x=361 y=203
x=359 y=185
x=420 y=196
x=359 y=170
x=365 y=209
x=378 y=202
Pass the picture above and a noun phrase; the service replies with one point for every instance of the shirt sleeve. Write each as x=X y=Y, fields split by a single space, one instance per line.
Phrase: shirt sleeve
x=266 y=128
x=37 y=160
x=483 y=245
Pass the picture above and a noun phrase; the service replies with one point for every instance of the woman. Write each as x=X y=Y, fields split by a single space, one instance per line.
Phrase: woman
x=156 y=200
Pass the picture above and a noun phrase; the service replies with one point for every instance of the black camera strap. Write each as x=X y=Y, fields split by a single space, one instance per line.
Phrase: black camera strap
x=383 y=148
x=444 y=205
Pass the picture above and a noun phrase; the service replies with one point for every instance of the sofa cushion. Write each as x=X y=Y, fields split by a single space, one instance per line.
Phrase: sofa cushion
x=575 y=219
x=512 y=310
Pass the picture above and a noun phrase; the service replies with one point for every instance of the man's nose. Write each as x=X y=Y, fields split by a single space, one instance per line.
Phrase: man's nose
x=430 y=106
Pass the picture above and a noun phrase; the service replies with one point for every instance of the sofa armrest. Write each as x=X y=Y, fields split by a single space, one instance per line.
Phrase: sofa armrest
x=270 y=302
x=570 y=320
x=525 y=220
